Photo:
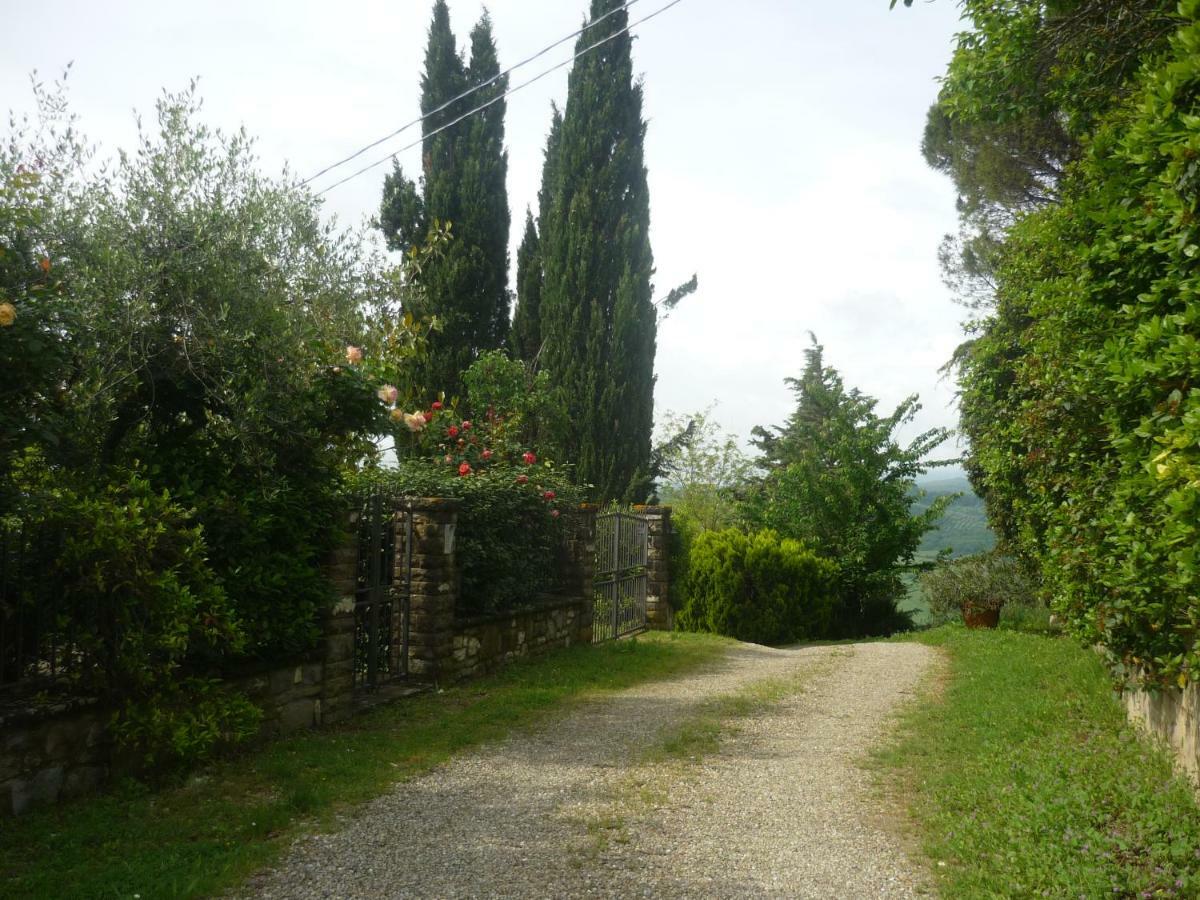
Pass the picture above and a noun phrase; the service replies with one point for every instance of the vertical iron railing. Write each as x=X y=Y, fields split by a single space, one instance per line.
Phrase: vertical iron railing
x=621 y=580
x=384 y=588
x=39 y=644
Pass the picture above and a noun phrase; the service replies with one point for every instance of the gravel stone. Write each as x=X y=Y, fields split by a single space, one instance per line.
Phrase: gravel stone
x=573 y=809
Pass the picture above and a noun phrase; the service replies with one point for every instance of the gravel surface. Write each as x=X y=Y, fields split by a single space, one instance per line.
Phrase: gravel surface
x=575 y=809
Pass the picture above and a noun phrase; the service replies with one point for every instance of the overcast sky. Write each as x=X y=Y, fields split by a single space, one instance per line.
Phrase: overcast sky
x=782 y=152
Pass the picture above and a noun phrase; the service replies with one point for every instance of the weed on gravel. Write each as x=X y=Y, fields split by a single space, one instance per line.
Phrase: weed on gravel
x=207 y=835
x=1025 y=779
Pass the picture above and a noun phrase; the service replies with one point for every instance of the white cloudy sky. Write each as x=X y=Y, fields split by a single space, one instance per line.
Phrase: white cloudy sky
x=782 y=152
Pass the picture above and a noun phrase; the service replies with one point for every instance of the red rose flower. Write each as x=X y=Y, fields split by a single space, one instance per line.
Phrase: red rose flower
x=549 y=495
x=529 y=458
x=452 y=431
x=486 y=454
x=436 y=405
x=464 y=469
x=466 y=426
x=428 y=417
x=522 y=479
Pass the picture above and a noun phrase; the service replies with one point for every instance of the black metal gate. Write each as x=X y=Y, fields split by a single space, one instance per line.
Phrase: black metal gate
x=381 y=607
x=621 y=578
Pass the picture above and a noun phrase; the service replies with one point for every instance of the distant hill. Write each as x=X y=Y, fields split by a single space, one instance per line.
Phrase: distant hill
x=963 y=528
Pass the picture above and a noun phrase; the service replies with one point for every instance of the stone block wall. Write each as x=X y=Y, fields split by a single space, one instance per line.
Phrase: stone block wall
x=483 y=644
x=51 y=754
x=1173 y=716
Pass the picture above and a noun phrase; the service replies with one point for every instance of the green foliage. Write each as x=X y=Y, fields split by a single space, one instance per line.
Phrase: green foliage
x=836 y=479
x=462 y=190
x=181 y=723
x=756 y=587
x=984 y=582
x=1026 y=779
x=1026 y=85
x=36 y=324
x=701 y=469
x=143 y=612
x=525 y=340
x=509 y=534
x=1078 y=391
x=597 y=318
x=186 y=338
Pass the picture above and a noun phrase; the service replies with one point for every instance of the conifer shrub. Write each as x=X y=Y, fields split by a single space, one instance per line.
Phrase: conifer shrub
x=757 y=587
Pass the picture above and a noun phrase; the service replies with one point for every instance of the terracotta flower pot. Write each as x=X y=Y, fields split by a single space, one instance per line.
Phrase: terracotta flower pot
x=980 y=618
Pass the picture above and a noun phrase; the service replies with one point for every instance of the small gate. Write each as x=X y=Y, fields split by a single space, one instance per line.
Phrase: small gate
x=621 y=578
x=384 y=586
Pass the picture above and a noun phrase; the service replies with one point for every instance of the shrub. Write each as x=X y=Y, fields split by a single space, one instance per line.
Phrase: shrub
x=138 y=617
x=757 y=587
x=988 y=581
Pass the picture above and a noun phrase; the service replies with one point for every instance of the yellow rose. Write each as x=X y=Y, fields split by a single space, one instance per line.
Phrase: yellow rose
x=8 y=314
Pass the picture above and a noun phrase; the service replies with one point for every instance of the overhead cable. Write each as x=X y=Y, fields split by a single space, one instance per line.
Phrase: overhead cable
x=497 y=99
x=467 y=93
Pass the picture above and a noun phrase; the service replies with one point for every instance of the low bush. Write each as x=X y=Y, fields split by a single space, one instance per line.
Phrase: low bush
x=757 y=587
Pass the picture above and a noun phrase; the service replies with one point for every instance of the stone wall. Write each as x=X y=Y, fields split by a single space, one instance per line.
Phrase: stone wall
x=1174 y=717
x=61 y=751
x=482 y=644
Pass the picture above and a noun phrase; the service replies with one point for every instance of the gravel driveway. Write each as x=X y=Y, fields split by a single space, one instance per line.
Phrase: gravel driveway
x=585 y=807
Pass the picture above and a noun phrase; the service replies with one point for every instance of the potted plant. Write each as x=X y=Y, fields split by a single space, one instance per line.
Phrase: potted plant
x=978 y=587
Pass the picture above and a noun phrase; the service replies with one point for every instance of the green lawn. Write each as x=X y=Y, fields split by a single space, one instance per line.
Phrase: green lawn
x=226 y=822
x=1025 y=780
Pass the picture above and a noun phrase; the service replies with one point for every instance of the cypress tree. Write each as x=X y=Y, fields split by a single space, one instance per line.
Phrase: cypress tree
x=526 y=338
x=597 y=315
x=463 y=183
x=531 y=275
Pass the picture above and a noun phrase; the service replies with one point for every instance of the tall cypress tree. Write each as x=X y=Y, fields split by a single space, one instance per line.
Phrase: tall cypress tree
x=597 y=315
x=526 y=339
x=463 y=183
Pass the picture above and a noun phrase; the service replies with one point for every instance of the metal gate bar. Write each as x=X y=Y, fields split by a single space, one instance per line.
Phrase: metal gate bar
x=621 y=580
x=381 y=608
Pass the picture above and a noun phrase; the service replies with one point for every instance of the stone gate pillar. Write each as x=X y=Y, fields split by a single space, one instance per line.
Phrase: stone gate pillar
x=435 y=587
x=659 y=615
x=337 y=677
x=577 y=570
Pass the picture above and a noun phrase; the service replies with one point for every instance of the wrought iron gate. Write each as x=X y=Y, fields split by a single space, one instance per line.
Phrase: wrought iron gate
x=384 y=586
x=621 y=578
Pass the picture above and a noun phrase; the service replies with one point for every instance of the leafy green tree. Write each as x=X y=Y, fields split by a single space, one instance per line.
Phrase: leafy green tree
x=1026 y=85
x=838 y=481
x=1078 y=390
x=701 y=473
x=463 y=189
x=598 y=323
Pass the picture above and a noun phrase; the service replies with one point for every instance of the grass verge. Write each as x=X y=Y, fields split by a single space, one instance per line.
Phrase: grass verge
x=224 y=823
x=1025 y=780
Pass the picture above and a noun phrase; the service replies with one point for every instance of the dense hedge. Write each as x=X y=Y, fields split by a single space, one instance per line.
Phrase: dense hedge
x=756 y=587
x=1081 y=392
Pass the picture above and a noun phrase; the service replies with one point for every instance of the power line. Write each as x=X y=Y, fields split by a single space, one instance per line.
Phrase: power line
x=468 y=92
x=495 y=100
